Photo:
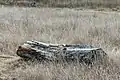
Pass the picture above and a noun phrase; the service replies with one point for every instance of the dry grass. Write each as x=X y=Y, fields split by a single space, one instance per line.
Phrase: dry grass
x=64 y=3
x=17 y=25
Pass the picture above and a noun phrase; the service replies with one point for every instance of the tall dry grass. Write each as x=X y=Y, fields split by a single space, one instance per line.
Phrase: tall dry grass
x=64 y=3
x=71 y=26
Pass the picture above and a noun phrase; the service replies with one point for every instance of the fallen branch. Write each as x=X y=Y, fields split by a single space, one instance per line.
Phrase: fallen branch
x=6 y=56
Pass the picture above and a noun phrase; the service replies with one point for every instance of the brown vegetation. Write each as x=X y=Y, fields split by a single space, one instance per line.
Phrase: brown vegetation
x=18 y=25
x=64 y=3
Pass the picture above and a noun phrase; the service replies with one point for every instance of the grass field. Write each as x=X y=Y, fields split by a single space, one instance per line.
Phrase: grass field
x=64 y=3
x=56 y=25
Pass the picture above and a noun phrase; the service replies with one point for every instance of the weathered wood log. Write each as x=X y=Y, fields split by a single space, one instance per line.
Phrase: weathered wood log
x=42 y=51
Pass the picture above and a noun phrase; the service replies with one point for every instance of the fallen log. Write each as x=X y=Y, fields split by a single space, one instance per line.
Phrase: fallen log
x=55 y=52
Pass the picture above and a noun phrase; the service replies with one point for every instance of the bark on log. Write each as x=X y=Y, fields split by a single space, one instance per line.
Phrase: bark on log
x=54 y=52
